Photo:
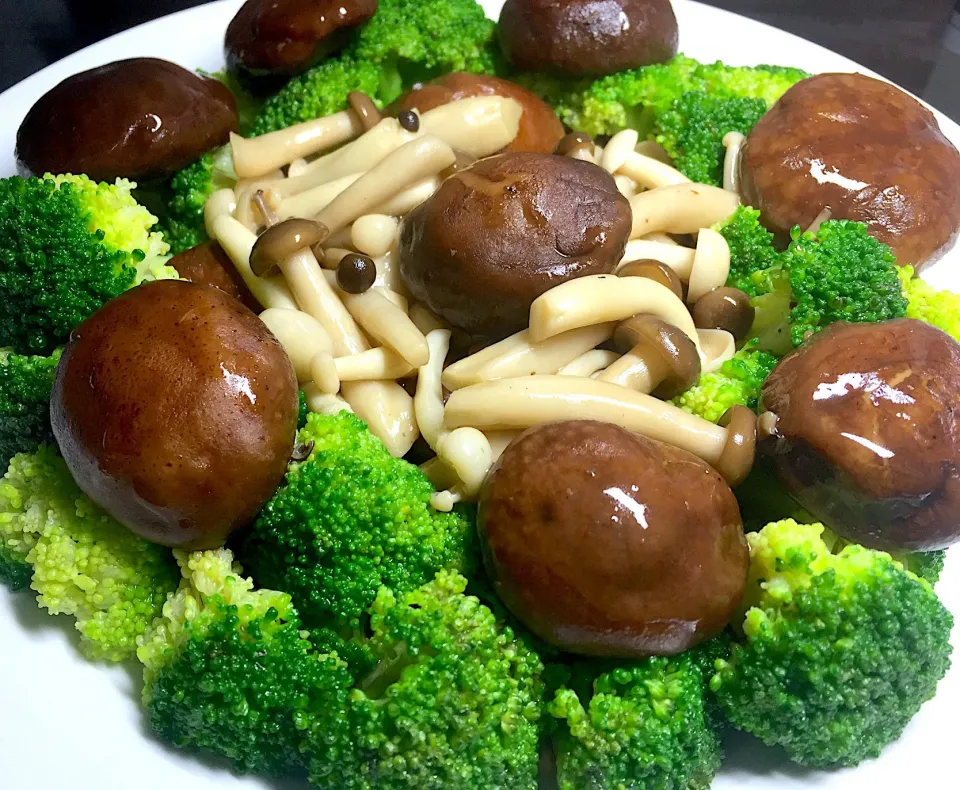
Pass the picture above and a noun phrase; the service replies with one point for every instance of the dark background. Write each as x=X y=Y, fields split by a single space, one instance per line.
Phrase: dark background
x=902 y=39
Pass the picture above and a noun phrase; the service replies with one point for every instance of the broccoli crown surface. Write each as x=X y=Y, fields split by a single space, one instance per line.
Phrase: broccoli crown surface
x=348 y=520
x=454 y=700
x=841 y=273
x=693 y=127
x=227 y=669
x=737 y=383
x=839 y=650
x=67 y=246
x=634 y=98
x=752 y=254
x=81 y=562
x=25 y=386
x=926 y=303
x=641 y=726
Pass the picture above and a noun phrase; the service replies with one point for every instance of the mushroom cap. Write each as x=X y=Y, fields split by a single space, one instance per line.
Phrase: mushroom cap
x=656 y=271
x=725 y=308
x=280 y=241
x=666 y=347
x=868 y=439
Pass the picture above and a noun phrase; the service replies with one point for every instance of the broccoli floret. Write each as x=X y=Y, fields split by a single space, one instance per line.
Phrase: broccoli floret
x=839 y=651
x=67 y=246
x=928 y=565
x=227 y=669
x=186 y=193
x=635 y=98
x=302 y=411
x=736 y=383
x=693 y=128
x=318 y=92
x=454 y=701
x=416 y=40
x=926 y=303
x=641 y=726
x=841 y=273
x=752 y=254
x=348 y=520
x=82 y=562
x=25 y=386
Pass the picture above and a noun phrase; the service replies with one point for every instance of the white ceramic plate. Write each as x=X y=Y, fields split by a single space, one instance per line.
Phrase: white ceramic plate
x=67 y=723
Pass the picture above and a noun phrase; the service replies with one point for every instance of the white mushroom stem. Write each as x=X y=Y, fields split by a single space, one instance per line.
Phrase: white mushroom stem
x=424 y=320
x=467 y=451
x=678 y=258
x=419 y=159
x=237 y=242
x=322 y=402
x=221 y=203
x=396 y=298
x=406 y=201
x=733 y=142
x=651 y=173
x=388 y=409
x=302 y=337
x=428 y=400
x=332 y=257
x=518 y=355
x=663 y=238
x=711 y=264
x=388 y=324
x=499 y=441
x=718 y=346
x=323 y=371
x=602 y=298
x=632 y=370
x=388 y=270
x=256 y=156
x=511 y=404
x=654 y=150
x=587 y=364
x=625 y=186
x=375 y=364
x=480 y=125
x=682 y=208
x=296 y=167
x=616 y=152
x=374 y=234
x=313 y=201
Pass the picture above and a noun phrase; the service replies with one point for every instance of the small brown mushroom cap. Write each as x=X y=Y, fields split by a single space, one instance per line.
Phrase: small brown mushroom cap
x=280 y=241
x=284 y=37
x=654 y=270
x=140 y=119
x=724 y=308
x=586 y=38
x=666 y=349
x=606 y=543
x=867 y=436
x=208 y=264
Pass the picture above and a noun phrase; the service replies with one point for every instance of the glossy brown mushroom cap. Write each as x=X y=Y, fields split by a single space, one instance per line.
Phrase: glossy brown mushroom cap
x=285 y=37
x=208 y=264
x=868 y=436
x=500 y=233
x=605 y=543
x=139 y=119
x=864 y=149
x=540 y=129
x=585 y=38
x=175 y=409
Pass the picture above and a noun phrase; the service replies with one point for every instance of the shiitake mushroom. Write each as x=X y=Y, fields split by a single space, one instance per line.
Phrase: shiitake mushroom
x=175 y=409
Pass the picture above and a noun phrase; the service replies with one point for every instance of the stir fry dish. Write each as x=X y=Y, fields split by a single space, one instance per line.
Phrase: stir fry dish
x=429 y=402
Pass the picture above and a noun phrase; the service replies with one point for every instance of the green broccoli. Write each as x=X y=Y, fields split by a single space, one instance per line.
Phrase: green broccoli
x=302 y=411
x=348 y=520
x=736 y=383
x=25 y=385
x=416 y=40
x=692 y=129
x=227 y=669
x=752 y=252
x=77 y=559
x=454 y=701
x=928 y=565
x=926 y=303
x=839 y=650
x=640 y=726
x=635 y=99
x=67 y=246
x=186 y=194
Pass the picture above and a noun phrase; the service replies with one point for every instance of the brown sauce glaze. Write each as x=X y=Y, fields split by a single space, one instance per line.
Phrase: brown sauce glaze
x=175 y=409
x=606 y=543
x=866 y=150
x=139 y=119
x=867 y=436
